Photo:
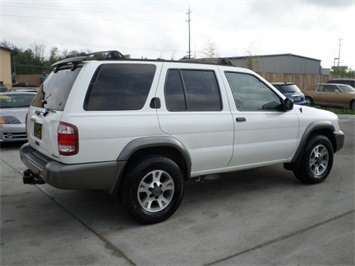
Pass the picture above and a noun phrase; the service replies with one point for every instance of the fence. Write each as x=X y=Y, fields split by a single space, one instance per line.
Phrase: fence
x=303 y=81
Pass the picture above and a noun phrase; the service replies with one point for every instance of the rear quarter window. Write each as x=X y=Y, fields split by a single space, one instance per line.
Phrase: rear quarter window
x=119 y=87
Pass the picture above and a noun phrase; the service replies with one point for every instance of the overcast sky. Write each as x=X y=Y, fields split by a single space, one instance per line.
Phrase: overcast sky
x=153 y=28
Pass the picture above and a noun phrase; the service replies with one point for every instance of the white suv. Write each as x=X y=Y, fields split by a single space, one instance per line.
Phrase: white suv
x=140 y=128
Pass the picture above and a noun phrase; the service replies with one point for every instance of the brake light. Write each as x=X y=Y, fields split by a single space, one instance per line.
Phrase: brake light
x=68 y=140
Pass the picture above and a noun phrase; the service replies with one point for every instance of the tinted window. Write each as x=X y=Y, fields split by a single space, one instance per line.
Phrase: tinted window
x=54 y=92
x=250 y=94
x=287 y=88
x=120 y=87
x=192 y=90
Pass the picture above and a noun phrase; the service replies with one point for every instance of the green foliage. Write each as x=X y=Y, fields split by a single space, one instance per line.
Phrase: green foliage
x=339 y=111
x=33 y=61
x=343 y=72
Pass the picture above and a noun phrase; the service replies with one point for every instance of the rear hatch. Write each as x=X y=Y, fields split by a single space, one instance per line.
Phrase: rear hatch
x=47 y=108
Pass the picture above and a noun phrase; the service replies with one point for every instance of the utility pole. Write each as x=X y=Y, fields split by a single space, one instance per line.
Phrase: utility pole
x=340 y=39
x=188 y=21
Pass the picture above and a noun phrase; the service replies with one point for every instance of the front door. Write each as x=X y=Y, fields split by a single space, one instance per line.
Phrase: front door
x=264 y=133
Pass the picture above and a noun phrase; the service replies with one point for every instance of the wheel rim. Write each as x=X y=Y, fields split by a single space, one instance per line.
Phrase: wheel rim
x=319 y=160
x=155 y=191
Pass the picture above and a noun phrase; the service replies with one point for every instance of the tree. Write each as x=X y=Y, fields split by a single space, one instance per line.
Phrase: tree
x=53 y=55
x=251 y=61
x=210 y=50
x=343 y=72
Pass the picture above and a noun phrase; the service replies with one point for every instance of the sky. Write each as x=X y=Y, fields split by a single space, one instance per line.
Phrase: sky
x=160 y=29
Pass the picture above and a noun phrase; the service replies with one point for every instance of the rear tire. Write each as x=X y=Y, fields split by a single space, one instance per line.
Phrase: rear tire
x=153 y=189
x=317 y=160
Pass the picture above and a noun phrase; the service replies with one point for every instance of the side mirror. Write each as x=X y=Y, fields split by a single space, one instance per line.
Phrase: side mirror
x=288 y=104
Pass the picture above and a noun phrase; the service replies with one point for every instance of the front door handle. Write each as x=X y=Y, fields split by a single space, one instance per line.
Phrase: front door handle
x=241 y=119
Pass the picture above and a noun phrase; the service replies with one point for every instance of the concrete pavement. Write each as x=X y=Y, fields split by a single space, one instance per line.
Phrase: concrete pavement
x=257 y=217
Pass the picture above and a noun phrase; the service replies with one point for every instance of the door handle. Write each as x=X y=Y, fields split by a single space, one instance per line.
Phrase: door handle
x=241 y=119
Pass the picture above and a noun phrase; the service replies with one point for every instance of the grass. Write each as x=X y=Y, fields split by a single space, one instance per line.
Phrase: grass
x=339 y=111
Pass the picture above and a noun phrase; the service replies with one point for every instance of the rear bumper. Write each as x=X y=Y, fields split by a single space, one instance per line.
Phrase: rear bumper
x=89 y=176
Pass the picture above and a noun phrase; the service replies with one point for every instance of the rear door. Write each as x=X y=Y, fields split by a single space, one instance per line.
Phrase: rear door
x=46 y=110
x=195 y=111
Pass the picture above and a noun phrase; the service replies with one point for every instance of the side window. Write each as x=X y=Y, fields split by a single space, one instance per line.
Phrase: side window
x=192 y=90
x=119 y=87
x=250 y=94
x=332 y=88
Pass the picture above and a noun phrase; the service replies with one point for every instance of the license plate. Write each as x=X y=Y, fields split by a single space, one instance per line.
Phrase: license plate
x=38 y=130
x=296 y=98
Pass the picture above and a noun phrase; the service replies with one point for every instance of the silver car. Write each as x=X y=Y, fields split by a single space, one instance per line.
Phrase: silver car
x=13 y=110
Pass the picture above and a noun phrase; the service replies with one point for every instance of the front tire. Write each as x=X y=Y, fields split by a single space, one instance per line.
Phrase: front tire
x=309 y=101
x=153 y=189
x=317 y=161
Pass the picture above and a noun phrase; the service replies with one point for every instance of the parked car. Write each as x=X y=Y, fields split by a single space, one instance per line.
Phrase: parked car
x=13 y=110
x=291 y=90
x=139 y=129
x=329 y=94
x=19 y=84
x=350 y=82
x=3 y=88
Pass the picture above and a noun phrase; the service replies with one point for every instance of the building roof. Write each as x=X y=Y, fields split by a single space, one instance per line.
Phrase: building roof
x=6 y=49
x=273 y=55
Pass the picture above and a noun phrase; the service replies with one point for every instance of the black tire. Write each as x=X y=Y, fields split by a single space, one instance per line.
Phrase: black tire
x=309 y=101
x=161 y=185
x=317 y=160
x=352 y=105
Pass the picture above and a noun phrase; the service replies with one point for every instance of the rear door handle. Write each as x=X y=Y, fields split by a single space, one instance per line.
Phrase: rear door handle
x=241 y=119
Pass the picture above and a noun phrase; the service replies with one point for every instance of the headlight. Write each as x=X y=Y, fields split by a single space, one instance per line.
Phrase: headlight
x=9 y=120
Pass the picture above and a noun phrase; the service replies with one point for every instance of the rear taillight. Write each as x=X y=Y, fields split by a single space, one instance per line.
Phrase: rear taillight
x=68 y=140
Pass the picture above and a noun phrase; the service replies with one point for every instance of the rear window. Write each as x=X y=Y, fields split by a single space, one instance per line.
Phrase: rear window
x=117 y=87
x=54 y=92
x=287 y=88
x=17 y=100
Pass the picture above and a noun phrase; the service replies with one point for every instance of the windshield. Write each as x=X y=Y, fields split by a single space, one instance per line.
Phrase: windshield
x=54 y=92
x=287 y=88
x=16 y=100
x=346 y=88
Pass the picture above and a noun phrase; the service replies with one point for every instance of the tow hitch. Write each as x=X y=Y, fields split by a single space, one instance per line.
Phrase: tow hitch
x=30 y=178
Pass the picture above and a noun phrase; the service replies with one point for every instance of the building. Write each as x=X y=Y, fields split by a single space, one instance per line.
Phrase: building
x=5 y=66
x=280 y=63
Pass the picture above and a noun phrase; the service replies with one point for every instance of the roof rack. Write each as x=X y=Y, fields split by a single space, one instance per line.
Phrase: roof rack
x=74 y=61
